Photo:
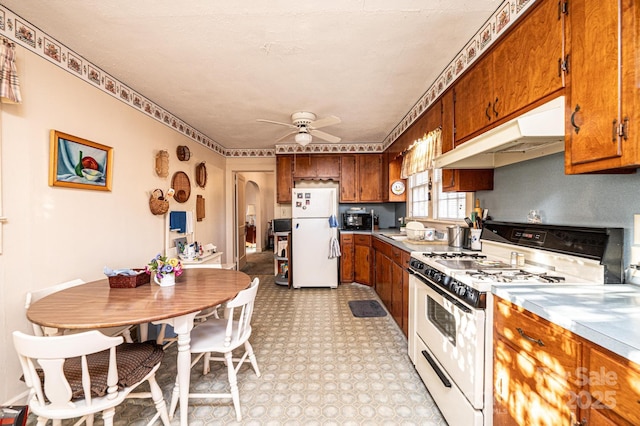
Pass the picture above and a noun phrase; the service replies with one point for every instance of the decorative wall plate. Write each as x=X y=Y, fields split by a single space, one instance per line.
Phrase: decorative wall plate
x=201 y=175
x=398 y=187
x=183 y=153
x=182 y=185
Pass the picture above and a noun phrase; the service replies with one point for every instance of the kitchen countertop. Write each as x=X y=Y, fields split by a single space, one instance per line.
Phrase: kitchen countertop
x=403 y=244
x=608 y=315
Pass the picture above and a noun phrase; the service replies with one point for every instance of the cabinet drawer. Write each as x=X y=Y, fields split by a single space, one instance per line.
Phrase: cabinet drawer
x=614 y=382
x=346 y=238
x=396 y=255
x=382 y=247
x=362 y=240
x=552 y=346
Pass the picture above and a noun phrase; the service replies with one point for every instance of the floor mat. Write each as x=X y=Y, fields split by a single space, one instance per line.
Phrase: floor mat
x=366 y=308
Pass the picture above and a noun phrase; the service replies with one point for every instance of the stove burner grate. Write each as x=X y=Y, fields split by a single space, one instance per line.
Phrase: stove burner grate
x=511 y=275
x=453 y=255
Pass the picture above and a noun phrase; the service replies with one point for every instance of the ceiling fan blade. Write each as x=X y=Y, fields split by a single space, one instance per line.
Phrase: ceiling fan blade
x=324 y=122
x=325 y=136
x=287 y=135
x=278 y=123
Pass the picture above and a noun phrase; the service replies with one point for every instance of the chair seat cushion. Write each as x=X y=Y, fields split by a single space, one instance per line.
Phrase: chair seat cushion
x=135 y=361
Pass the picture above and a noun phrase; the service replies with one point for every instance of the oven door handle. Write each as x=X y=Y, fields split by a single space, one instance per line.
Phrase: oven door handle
x=443 y=293
x=436 y=369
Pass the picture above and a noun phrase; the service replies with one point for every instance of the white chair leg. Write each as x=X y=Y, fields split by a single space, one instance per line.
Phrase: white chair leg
x=156 y=395
x=252 y=357
x=206 y=367
x=160 y=338
x=89 y=420
x=127 y=336
x=233 y=381
x=175 y=398
x=107 y=416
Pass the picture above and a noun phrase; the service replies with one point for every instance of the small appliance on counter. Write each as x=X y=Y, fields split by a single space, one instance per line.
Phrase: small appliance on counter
x=356 y=219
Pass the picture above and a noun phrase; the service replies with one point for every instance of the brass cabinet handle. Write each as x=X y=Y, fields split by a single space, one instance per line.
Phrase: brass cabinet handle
x=625 y=128
x=486 y=111
x=494 y=107
x=576 y=128
x=529 y=338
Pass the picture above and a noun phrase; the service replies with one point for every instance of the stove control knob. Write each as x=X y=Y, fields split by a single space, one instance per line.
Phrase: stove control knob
x=461 y=289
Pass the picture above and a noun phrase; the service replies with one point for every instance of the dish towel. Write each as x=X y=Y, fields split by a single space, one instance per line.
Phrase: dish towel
x=189 y=222
x=334 y=248
x=178 y=221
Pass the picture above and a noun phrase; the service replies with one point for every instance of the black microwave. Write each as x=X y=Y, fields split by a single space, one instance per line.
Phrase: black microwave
x=357 y=221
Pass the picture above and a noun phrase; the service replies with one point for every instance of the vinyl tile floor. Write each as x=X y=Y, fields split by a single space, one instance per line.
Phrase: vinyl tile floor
x=320 y=365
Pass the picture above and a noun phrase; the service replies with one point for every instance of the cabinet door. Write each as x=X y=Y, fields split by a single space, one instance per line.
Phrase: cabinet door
x=406 y=258
x=370 y=173
x=348 y=179
x=603 y=87
x=525 y=395
x=327 y=166
x=530 y=56
x=383 y=278
x=473 y=99
x=447 y=121
x=363 y=265
x=304 y=167
x=467 y=180
x=284 y=177
x=347 y=261
x=396 y=293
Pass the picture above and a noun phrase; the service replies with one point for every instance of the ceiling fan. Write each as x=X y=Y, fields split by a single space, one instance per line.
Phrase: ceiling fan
x=305 y=126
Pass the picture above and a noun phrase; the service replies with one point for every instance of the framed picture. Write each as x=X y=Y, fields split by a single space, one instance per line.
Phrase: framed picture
x=78 y=163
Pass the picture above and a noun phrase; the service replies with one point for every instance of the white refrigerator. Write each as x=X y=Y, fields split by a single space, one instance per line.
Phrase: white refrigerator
x=311 y=261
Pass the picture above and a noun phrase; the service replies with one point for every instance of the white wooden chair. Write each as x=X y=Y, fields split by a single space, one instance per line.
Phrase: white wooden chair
x=79 y=375
x=38 y=330
x=223 y=336
x=202 y=316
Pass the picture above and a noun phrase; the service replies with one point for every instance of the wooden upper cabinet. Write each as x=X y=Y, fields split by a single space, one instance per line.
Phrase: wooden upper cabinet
x=522 y=69
x=348 y=179
x=447 y=121
x=363 y=178
x=528 y=62
x=284 y=178
x=308 y=166
x=603 y=105
x=467 y=180
x=371 y=177
x=473 y=99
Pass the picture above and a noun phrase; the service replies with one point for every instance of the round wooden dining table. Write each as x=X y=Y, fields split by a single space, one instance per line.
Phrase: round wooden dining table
x=97 y=305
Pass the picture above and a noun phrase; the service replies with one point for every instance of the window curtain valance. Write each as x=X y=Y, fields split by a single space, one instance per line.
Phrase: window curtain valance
x=9 y=82
x=421 y=154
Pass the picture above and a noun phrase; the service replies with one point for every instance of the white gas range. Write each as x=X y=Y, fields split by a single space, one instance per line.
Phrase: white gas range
x=451 y=306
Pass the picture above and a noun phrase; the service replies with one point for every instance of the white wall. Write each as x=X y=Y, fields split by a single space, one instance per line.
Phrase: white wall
x=55 y=234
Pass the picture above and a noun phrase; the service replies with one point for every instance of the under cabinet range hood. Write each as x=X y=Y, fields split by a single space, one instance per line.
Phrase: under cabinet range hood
x=534 y=134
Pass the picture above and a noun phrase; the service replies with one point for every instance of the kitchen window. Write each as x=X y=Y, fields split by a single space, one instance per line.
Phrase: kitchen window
x=426 y=199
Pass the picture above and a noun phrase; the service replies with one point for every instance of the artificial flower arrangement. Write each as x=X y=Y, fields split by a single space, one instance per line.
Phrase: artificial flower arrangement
x=163 y=266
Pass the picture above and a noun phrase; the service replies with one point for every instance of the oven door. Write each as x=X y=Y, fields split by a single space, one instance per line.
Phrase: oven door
x=454 y=335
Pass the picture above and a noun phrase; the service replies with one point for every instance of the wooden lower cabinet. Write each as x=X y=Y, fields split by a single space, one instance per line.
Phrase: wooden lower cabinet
x=392 y=281
x=535 y=368
x=545 y=375
x=363 y=261
x=347 y=251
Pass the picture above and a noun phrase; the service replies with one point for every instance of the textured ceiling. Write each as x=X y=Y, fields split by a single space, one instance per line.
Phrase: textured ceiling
x=220 y=65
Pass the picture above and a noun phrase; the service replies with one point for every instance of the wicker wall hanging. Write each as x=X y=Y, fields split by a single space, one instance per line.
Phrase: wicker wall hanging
x=162 y=164
x=199 y=208
x=183 y=153
x=201 y=175
x=182 y=185
x=157 y=203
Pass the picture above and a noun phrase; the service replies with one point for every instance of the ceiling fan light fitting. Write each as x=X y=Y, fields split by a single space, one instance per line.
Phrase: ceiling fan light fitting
x=303 y=138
